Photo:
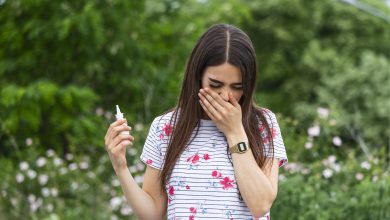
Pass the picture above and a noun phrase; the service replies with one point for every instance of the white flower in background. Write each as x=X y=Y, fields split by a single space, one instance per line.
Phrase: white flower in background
x=74 y=186
x=314 y=131
x=332 y=122
x=54 y=192
x=91 y=174
x=19 y=178
x=36 y=204
x=63 y=170
x=140 y=166
x=336 y=167
x=323 y=112
x=138 y=127
x=99 y=111
x=23 y=165
x=31 y=174
x=83 y=165
x=376 y=161
x=41 y=162
x=29 y=141
x=332 y=159
x=114 y=217
x=57 y=161
x=45 y=192
x=31 y=198
x=132 y=169
x=305 y=171
x=327 y=173
x=132 y=151
x=4 y=193
x=115 y=203
x=72 y=166
x=365 y=165
x=49 y=207
x=69 y=156
x=139 y=179
x=50 y=153
x=282 y=177
x=374 y=178
x=42 y=179
x=126 y=210
x=14 y=201
x=115 y=182
x=309 y=145
x=337 y=141
x=359 y=176
x=108 y=115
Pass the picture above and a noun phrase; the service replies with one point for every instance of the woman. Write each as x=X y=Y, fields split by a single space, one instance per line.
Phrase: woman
x=215 y=155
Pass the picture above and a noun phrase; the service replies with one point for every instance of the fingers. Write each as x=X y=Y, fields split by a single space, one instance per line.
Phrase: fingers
x=213 y=97
x=233 y=100
x=115 y=129
x=121 y=138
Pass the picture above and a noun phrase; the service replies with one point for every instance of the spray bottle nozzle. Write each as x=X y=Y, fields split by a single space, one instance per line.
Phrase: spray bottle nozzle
x=119 y=114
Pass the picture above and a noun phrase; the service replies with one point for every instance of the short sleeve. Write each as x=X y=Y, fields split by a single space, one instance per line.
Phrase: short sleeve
x=151 y=153
x=278 y=144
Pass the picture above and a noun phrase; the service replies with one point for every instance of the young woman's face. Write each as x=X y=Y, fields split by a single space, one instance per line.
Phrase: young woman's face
x=223 y=79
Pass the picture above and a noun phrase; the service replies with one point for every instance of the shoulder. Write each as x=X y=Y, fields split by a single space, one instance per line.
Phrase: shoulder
x=163 y=119
x=265 y=113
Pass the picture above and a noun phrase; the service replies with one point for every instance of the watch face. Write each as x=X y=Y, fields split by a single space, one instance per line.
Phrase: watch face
x=241 y=146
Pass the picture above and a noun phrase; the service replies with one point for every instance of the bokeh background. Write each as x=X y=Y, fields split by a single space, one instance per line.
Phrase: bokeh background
x=324 y=68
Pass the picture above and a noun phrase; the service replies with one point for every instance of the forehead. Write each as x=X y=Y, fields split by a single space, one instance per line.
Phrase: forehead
x=224 y=73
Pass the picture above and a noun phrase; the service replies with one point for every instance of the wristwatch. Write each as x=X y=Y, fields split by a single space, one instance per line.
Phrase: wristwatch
x=240 y=148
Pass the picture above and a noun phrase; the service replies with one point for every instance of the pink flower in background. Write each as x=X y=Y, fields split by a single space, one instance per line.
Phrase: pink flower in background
x=227 y=183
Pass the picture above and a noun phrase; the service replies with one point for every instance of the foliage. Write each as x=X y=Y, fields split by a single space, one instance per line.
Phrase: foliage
x=324 y=66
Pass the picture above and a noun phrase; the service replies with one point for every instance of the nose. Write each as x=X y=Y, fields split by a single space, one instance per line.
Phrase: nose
x=224 y=93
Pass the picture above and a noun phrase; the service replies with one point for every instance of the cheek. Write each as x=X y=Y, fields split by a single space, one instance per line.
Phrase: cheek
x=237 y=95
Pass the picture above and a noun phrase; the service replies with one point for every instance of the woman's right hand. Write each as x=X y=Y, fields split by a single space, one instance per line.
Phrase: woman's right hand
x=116 y=141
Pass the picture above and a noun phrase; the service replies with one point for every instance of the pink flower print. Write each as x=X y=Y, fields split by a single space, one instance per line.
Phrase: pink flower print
x=192 y=217
x=187 y=187
x=169 y=200
x=161 y=136
x=171 y=190
x=167 y=129
x=193 y=210
x=194 y=159
x=149 y=161
x=216 y=174
x=227 y=183
x=206 y=156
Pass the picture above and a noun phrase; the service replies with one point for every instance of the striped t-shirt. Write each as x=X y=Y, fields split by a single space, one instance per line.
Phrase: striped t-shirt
x=202 y=183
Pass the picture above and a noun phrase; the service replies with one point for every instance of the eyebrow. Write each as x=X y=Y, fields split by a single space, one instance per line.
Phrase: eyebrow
x=216 y=81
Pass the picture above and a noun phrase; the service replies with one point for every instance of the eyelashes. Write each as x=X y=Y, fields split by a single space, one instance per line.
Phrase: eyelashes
x=219 y=86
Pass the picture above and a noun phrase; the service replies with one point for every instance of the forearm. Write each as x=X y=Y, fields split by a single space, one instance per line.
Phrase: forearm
x=255 y=187
x=141 y=202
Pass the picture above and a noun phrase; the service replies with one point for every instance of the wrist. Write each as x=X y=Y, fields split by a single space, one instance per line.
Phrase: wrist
x=237 y=136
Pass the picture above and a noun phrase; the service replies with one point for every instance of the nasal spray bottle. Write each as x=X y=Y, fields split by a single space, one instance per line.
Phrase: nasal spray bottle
x=119 y=115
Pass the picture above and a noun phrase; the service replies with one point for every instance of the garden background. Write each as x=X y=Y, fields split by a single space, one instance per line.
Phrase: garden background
x=324 y=68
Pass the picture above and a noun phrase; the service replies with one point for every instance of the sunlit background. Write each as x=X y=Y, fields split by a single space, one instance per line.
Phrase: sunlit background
x=324 y=68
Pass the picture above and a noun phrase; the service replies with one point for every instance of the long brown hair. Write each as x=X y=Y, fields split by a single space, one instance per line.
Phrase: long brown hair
x=219 y=44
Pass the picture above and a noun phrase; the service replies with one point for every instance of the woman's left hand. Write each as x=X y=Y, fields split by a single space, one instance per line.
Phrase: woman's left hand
x=226 y=115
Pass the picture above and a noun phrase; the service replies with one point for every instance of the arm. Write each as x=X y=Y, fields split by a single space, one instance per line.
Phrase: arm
x=258 y=187
x=148 y=202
